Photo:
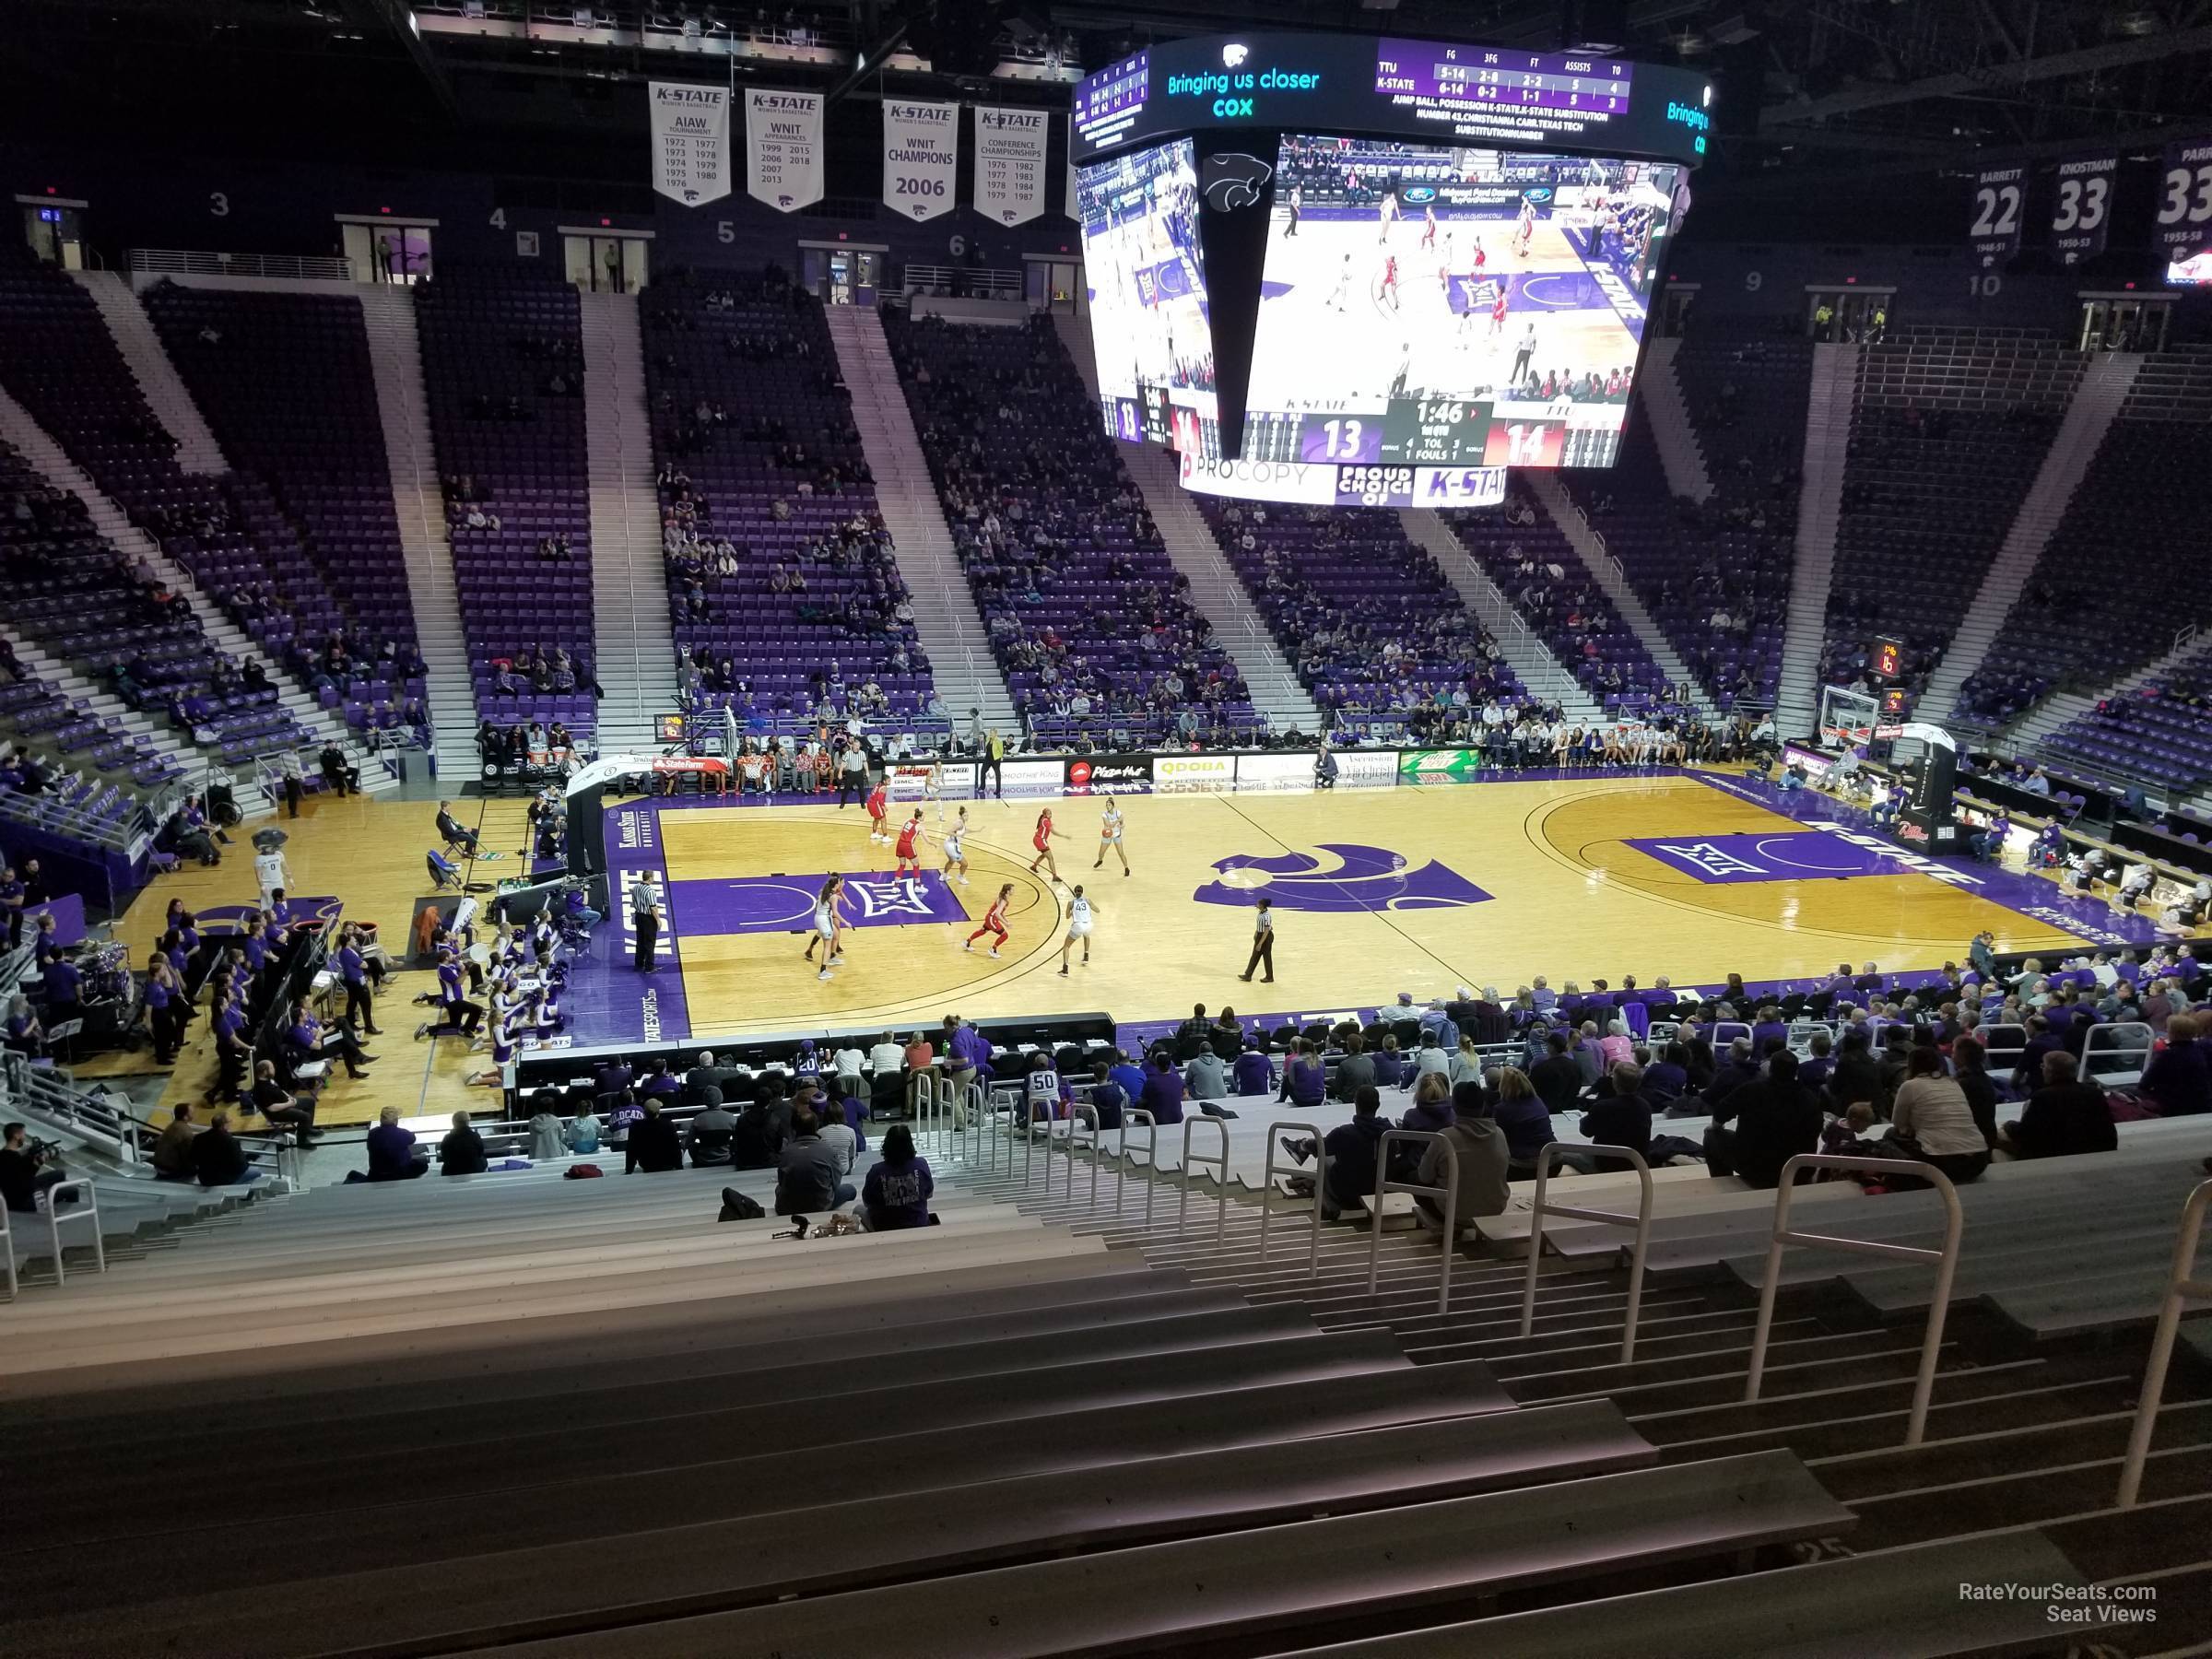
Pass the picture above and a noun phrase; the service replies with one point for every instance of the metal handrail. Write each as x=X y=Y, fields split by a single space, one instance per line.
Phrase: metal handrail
x=1275 y=1139
x=2181 y=1290
x=1641 y=1221
x=1121 y=1159
x=1219 y=1164
x=1946 y=1260
x=1083 y=1125
x=1448 y=1192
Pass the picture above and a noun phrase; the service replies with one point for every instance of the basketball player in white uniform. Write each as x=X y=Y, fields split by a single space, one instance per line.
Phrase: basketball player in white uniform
x=933 y=786
x=1079 y=920
x=1109 y=836
x=828 y=927
x=955 y=847
x=1343 y=289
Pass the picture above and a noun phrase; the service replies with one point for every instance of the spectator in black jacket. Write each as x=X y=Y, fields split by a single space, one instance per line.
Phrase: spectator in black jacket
x=1622 y=1118
x=1349 y=1174
x=756 y=1139
x=1558 y=1079
x=654 y=1145
x=461 y=1150
x=1970 y=1065
x=2066 y=1117
x=217 y=1159
x=1775 y=1118
x=1856 y=1075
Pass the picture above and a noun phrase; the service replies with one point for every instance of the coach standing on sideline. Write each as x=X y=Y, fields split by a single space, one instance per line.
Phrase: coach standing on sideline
x=1263 y=942
x=994 y=766
x=645 y=916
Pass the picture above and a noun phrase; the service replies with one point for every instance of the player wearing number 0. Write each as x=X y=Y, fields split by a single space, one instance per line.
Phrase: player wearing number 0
x=829 y=927
x=879 y=807
x=1110 y=837
x=956 y=848
x=994 y=921
x=1079 y=920
x=1043 y=841
x=909 y=860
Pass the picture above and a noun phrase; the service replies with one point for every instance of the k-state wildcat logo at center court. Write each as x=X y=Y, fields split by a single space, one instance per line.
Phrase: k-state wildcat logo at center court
x=1363 y=879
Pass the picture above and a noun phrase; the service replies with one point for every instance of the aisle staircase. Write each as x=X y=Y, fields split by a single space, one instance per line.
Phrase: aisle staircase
x=403 y=407
x=1534 y=665
x=1820 y=512
x=148 y=361
x=107 y=516
x=2090 y=416
x=1607 y=572
x=1659 y=395
x=951 y=628
x=1220 y=596
x=634 y=639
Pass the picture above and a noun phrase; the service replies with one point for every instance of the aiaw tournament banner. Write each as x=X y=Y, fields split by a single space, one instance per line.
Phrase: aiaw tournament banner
x=690 y=142
x=1010 y=148
x=783 y=147
x=921 y=156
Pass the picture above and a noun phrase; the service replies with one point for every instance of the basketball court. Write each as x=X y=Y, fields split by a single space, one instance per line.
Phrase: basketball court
x=1690 y=875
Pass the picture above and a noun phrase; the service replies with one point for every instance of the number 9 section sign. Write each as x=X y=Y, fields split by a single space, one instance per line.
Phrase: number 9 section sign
x=920 y=158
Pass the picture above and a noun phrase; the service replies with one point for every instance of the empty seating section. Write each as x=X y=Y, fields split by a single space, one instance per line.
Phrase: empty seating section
x=1567 y=611
x=287 y=386
x=1088 y=620
x=503 y=366
x=1945 y=441
x=2082 y=620
x=1715 y=575
x=2159 y=734
x=1373 y=629
x=58 y=361
x=780 y=569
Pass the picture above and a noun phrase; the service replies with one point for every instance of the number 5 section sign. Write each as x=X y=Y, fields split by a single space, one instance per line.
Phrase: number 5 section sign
x=921 y=156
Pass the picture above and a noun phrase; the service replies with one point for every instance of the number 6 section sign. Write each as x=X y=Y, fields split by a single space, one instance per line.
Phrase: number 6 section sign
x=2083 y=207
x=1996 y=228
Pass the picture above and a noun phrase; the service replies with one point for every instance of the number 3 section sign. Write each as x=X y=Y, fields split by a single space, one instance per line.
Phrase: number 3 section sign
x=921 y=156
x=2082 y=207
x=1996 y=228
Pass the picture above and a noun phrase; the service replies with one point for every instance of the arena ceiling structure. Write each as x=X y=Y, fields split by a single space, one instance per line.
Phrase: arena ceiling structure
x=1823 y=97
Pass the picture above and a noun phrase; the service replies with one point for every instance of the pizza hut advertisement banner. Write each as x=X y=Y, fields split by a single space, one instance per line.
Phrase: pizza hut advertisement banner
x=1108 y=774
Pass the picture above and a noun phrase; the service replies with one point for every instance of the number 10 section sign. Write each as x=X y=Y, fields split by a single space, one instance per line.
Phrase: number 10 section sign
x=921 y=156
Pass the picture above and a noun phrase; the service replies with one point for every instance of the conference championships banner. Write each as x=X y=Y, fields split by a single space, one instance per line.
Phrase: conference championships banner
x=1010 y=147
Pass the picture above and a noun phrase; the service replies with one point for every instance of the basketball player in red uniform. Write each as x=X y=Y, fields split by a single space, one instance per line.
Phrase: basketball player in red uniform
x=1043 y=841
x=1482 y=255
x=1498 y=313
x=994 y=921
x=909 y=860
x=878 y=804
x=1428 y=227
x=1390 y=281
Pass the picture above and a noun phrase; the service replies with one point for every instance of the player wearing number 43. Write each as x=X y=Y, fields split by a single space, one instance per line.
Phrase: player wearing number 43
x=1080 y=918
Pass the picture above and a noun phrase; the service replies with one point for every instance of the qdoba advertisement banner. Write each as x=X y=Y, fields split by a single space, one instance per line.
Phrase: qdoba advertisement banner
x=783 y=147
x=1010 y=147
x=920 y=158
x=690 y=142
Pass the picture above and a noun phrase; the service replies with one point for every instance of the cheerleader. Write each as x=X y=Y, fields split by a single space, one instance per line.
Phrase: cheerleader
x=1078 y=927
x=506 y=1019
x=995 y=920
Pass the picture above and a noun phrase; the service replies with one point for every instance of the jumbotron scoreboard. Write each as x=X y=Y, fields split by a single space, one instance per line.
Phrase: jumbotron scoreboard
x=1354 y=270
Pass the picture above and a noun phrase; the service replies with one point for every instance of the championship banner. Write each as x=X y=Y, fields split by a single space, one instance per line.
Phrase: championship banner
x=1995 y=231
x=921 y=156
x=690 y=142
x=2185 y=205
x=783 y=148
x=2083 y=207
x=1010 y=147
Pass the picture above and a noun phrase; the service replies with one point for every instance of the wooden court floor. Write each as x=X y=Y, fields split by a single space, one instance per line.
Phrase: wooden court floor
x=1485 y=884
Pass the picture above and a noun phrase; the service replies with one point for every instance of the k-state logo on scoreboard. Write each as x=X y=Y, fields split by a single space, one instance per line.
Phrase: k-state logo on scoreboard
x=1233 y=180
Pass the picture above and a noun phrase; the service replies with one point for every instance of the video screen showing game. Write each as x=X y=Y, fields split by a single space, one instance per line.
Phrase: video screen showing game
x=1452 y=307
x=1141 y=259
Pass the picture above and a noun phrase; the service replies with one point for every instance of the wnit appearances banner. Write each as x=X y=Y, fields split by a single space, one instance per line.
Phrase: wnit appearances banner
x=921 y=156
x=1010 y=147
x=690 y=142
x=783 y=148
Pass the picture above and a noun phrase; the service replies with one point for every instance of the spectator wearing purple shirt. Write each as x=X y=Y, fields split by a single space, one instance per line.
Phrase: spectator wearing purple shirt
x=1162 y=1094
x=1253 y=1073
